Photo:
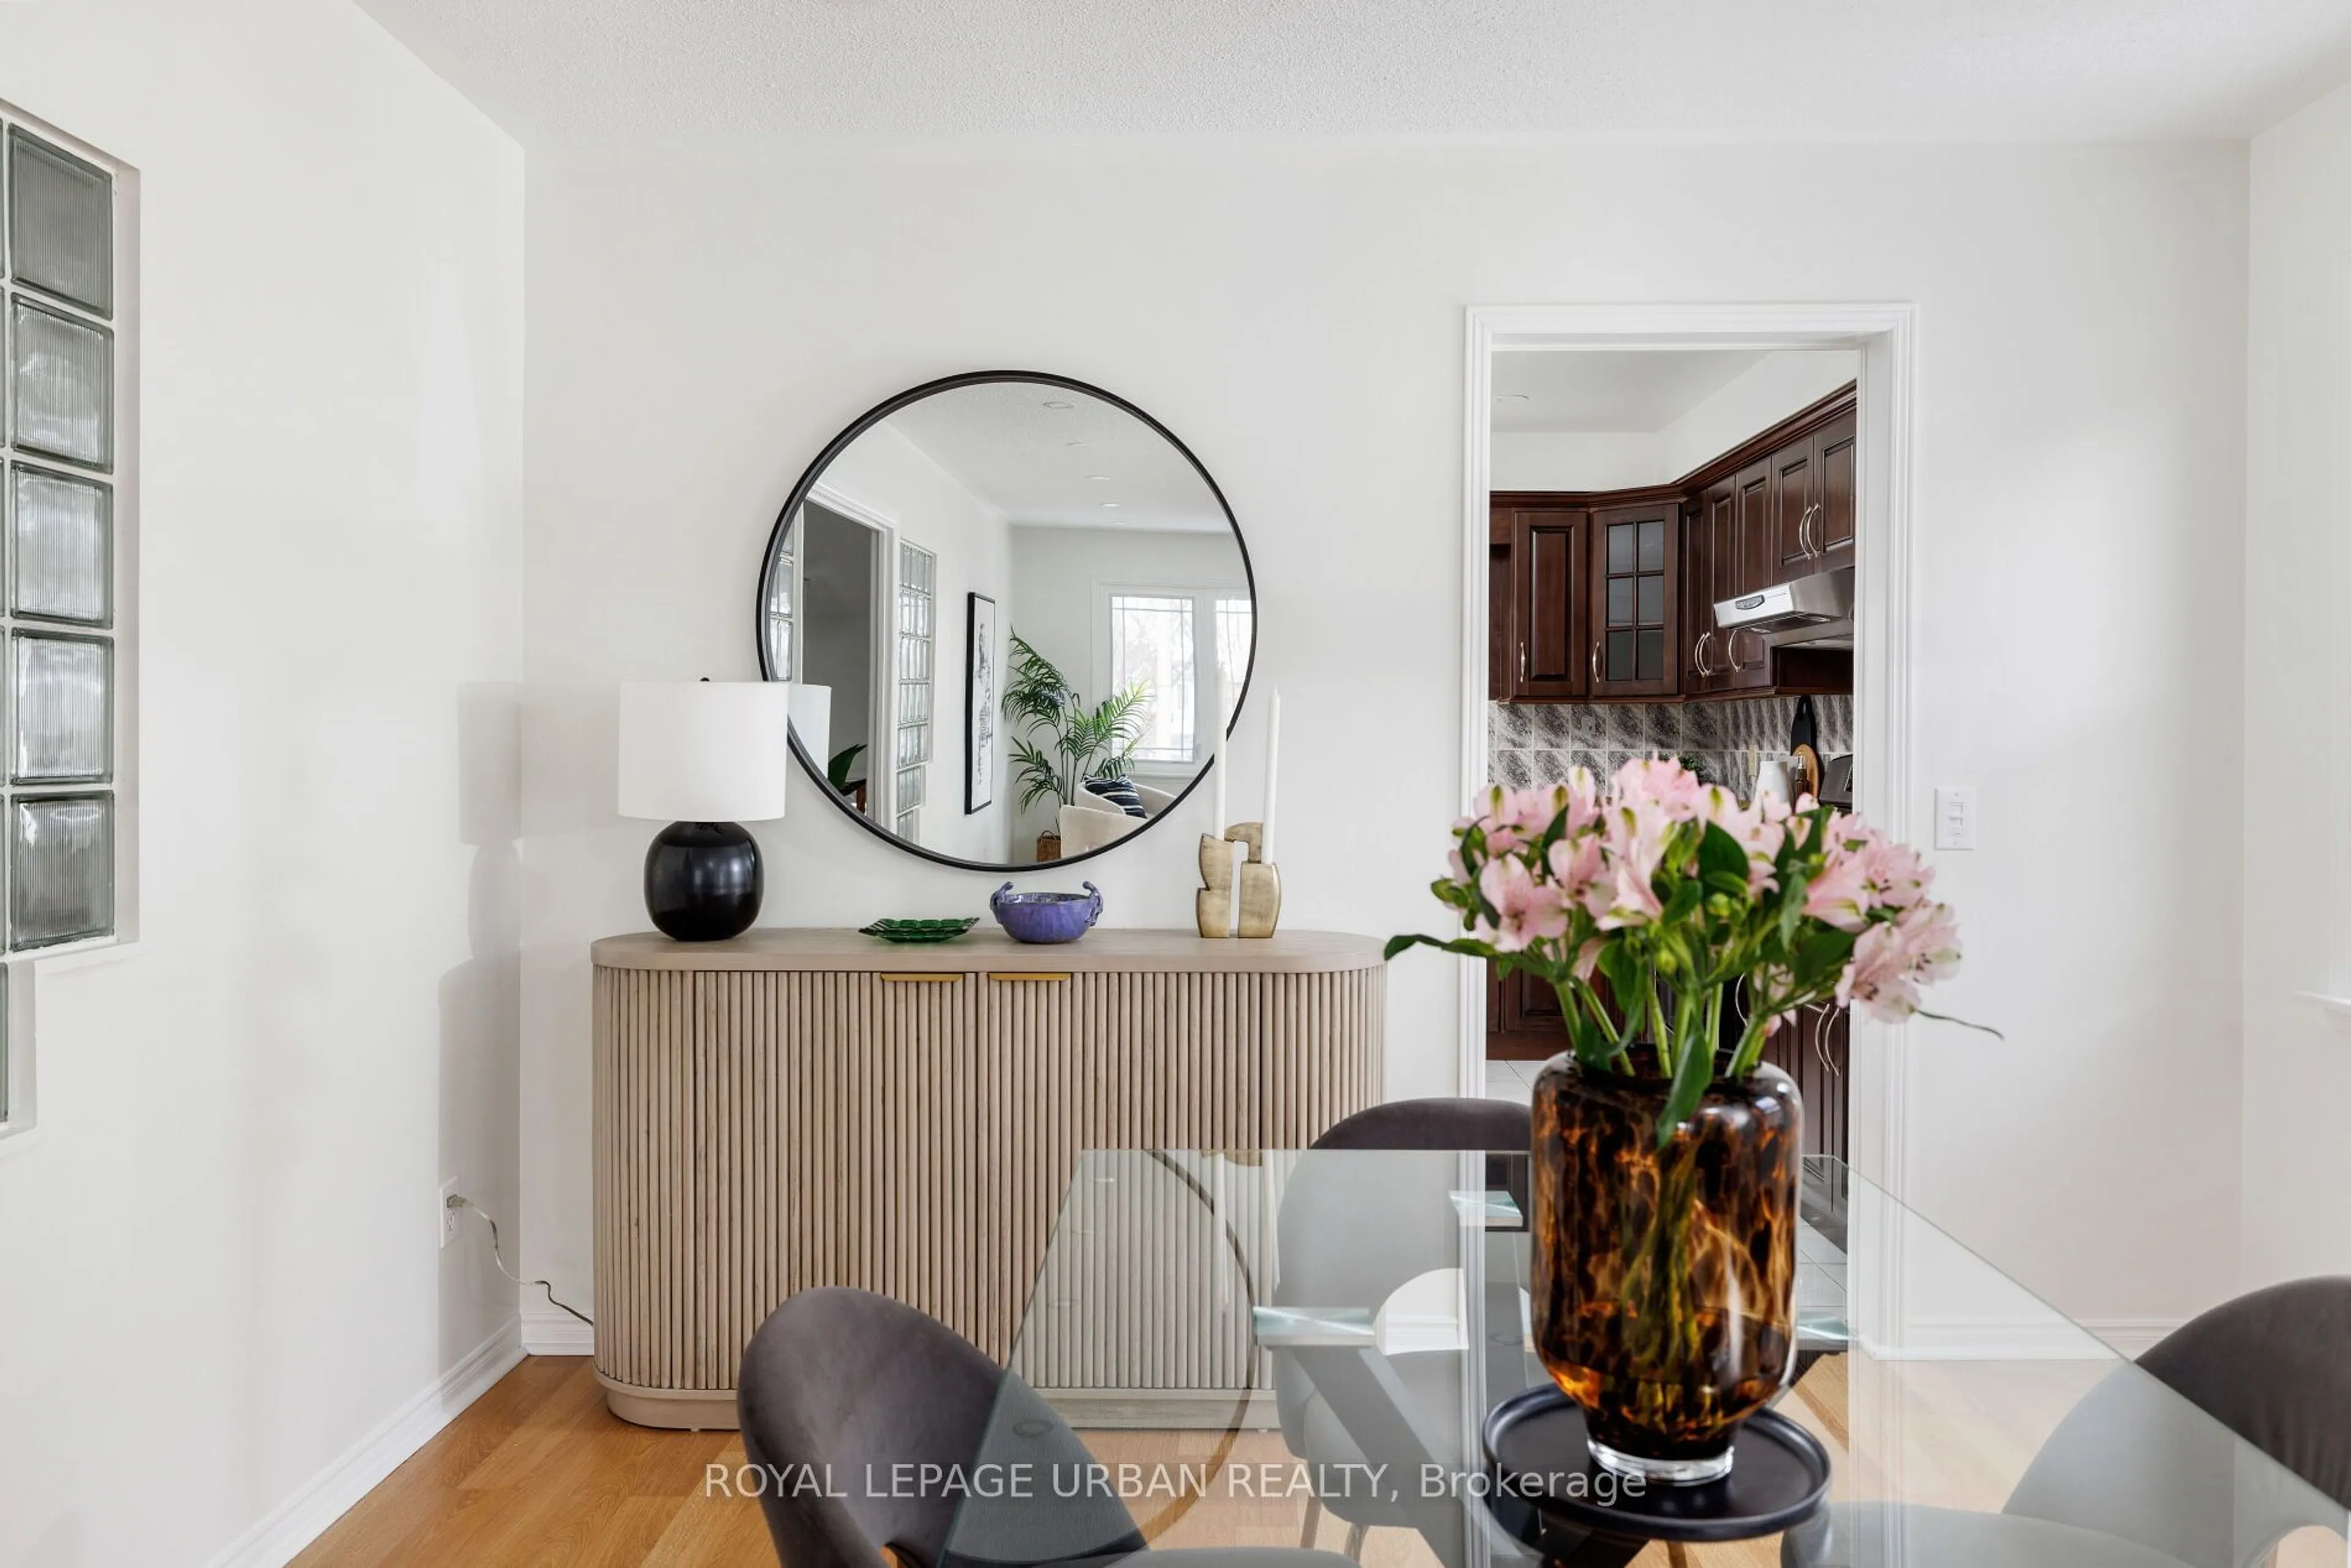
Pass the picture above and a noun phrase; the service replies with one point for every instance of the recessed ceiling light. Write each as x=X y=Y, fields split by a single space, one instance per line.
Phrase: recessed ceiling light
x=1058 y=402
x=1110 y=503
x=1099 y=478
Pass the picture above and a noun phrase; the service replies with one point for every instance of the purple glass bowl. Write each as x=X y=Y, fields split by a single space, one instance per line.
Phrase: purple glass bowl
x=1046 y=916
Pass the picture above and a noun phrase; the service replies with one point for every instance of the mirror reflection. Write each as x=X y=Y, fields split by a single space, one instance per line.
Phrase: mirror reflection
x=1015 y=613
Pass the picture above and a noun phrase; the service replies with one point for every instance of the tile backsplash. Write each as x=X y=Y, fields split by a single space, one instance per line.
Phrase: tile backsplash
x=1535 y=743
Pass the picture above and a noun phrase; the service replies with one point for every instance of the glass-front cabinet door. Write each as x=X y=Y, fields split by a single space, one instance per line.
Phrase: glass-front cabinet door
x=1636 y=599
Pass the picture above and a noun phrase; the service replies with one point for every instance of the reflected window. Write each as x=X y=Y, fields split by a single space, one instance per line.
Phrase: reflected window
x=1150 y=646
x=1153 y=642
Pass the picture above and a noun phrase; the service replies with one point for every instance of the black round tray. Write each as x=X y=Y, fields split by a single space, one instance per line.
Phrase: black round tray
x=1535 y=1447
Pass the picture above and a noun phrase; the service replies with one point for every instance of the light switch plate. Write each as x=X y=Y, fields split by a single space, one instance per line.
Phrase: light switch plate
x=1955 y=817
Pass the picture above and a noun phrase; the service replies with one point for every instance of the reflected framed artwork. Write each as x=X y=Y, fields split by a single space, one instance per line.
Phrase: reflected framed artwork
x=979 y=686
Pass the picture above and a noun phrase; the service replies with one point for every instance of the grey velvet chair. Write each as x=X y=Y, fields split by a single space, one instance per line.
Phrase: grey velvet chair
x=1339 y=1406
x=2132 y=1473
x=841 y=1385
x=1435 y=1123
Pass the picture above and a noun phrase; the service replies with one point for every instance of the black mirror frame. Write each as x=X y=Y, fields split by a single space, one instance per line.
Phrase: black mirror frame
x=798 y=497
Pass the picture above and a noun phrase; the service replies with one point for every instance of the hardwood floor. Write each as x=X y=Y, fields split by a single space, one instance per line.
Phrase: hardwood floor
x=537 y=1472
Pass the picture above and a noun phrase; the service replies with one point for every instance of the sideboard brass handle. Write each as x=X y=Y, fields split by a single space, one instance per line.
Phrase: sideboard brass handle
x=1028 y=975
x=905 y=979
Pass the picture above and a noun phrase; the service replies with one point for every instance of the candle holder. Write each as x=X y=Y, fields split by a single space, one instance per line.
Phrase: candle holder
x=1258 y=910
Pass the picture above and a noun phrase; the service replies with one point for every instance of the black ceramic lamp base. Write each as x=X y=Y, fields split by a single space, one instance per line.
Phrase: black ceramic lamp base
x=703 y=881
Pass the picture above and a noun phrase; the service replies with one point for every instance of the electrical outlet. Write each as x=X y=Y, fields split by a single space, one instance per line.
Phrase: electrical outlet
x=1955 y=819
x=449 y=1214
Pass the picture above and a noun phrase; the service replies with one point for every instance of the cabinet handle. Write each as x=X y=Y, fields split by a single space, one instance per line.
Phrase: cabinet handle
x=1523 y=660
x=1804 y=531
x=1697 y=654
x=1731 y=646
x=1028 y=975
x=909 y=979
x=1595 y=661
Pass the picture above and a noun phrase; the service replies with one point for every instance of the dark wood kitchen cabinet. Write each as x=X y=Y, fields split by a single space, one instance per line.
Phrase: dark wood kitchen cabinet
x=1548 y=584
x=1812 y=501
x=1815 y=1049
x=1609 y=596
x=1635 y=605
x=1523 y=1021
x=1732 y=551
x=1838 y=445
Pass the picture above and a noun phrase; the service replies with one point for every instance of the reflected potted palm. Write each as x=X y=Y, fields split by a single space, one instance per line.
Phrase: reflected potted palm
x=1082 y=742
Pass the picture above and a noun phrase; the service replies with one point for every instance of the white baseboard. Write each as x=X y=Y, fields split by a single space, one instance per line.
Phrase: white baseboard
x=551 y=1331
x=328 y=1495
x=2019 y=1339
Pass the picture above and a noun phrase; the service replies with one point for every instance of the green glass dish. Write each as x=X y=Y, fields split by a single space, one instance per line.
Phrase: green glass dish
x=920 y=930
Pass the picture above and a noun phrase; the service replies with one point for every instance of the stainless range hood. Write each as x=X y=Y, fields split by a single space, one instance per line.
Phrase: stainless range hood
x=1809 y=611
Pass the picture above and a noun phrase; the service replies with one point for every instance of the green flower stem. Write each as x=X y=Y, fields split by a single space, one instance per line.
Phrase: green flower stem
x=1714 y=1022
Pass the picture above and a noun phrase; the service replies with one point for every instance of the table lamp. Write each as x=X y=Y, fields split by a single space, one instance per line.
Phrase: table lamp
x=813 y=722
x=704 y=757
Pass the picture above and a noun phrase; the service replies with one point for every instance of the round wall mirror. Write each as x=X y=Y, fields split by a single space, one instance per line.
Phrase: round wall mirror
x=1015 y=610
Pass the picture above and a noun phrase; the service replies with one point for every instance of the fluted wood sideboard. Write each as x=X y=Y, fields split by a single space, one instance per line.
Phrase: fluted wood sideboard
x=799 y=1107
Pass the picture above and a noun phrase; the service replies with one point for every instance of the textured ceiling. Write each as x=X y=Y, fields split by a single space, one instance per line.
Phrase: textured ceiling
x=558 y=72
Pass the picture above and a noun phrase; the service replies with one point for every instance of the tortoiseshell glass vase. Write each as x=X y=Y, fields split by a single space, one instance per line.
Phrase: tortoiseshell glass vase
x=1665 y=1276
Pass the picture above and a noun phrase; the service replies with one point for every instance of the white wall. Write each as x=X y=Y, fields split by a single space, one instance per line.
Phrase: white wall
x=1752 y=402
x=887 y=473
x=1294 y=314
x=221 y=1251
x=1577 y=459
x=1058 y=576
x=2297 y=698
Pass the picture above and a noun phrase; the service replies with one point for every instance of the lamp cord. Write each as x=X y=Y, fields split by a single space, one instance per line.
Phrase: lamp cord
x=497 y=1256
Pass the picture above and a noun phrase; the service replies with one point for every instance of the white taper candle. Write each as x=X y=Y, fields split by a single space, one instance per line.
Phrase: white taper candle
x=1272 y=774
x=1216 y=755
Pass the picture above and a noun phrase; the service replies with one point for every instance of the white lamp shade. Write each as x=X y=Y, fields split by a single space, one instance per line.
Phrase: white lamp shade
x=705 y=752
x=812 y=718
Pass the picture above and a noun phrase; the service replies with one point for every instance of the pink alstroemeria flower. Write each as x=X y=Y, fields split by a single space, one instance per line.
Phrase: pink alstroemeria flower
x=1894 y=957
x=1840 y=895
x=1526 y=911
x=1633 y=838
x=1576 y=864
x=1673 y=788
x=1760 y=828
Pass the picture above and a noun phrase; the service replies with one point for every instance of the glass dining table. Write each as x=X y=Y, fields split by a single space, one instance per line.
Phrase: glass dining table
x=1264 y=1350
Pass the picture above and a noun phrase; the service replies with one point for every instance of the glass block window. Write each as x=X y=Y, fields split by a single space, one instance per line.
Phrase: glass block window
x=61 y=868
x=60 y=507
x=917 y=593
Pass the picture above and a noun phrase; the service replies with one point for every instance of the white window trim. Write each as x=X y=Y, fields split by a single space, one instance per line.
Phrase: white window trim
x=19 y=1057
x=1205 y=718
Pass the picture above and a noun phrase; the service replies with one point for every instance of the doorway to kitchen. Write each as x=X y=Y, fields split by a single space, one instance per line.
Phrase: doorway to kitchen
x=1685 y=531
